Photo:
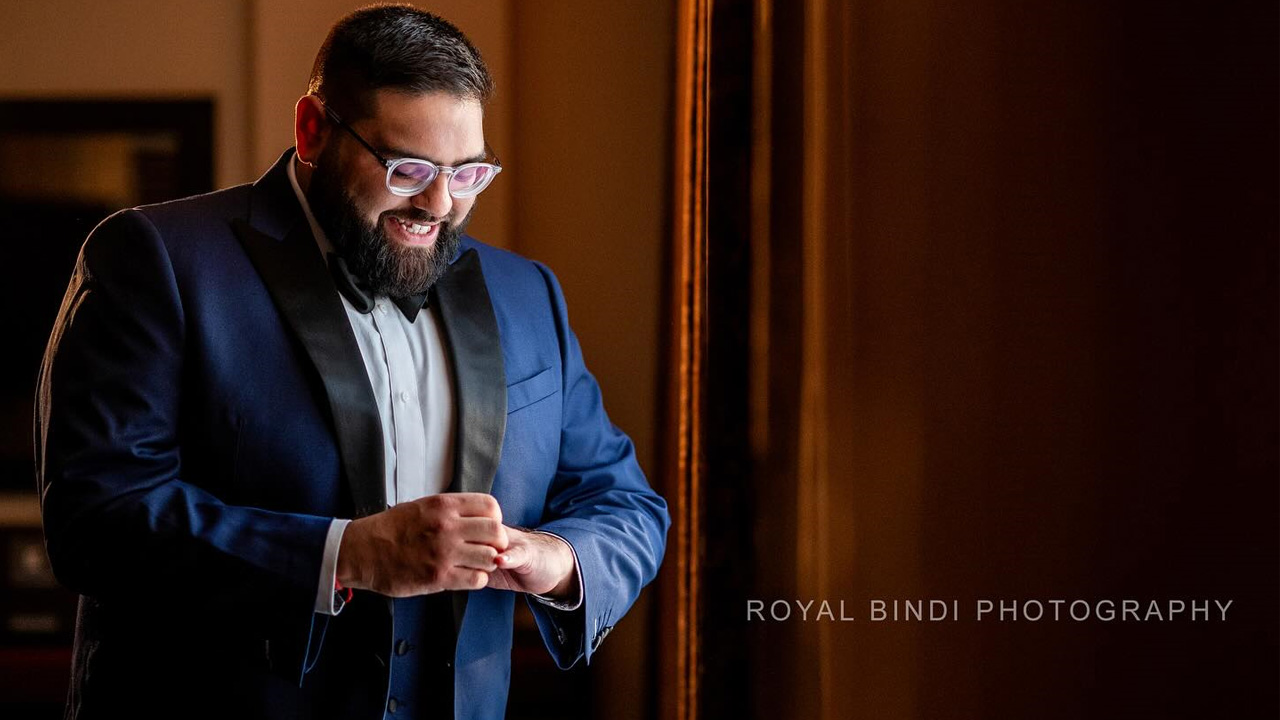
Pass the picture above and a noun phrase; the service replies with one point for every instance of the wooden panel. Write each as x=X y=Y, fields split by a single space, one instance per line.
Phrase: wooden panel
x=680 y=609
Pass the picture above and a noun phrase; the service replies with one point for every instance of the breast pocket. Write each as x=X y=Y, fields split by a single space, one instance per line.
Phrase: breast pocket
x=530 y=390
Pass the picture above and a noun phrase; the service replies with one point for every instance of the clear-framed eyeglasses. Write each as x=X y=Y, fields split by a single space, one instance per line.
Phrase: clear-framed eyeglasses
x=407 y=177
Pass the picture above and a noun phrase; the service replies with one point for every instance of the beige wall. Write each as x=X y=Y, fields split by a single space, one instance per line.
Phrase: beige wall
x=594 y=179
x=135 y=48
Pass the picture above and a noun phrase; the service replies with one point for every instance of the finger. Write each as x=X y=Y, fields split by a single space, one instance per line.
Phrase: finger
x=484 y=530
x=475 y=557
x=459 y=578
x=476 y=505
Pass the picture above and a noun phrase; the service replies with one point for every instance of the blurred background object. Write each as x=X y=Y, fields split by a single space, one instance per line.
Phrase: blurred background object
x=65 y=165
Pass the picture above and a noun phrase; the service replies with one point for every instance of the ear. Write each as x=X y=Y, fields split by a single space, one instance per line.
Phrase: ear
x=311 y=128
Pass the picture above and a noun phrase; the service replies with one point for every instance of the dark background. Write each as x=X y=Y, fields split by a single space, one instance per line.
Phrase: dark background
x=1020 y=343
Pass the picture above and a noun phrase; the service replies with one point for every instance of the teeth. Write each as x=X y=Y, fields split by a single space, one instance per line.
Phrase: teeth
x=415 y=228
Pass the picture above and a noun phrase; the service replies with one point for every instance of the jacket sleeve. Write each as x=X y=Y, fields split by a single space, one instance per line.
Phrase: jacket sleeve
x=600 y=502
x=119 y=519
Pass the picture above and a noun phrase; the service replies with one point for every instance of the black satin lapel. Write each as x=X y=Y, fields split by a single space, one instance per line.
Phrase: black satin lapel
x=300 y=285
x=480 y=386
x=471 y=330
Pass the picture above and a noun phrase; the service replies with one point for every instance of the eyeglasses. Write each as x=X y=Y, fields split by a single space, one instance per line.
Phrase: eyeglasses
x=407 y=177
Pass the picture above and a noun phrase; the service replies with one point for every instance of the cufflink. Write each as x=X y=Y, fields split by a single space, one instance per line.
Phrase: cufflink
x=341 y=596
x=553 y=603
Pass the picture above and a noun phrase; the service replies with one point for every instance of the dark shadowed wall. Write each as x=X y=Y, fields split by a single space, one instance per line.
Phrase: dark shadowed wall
x=1013 y=336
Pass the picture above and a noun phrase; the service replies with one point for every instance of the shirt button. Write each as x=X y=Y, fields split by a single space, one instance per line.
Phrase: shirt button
x=404 y=396
x=402 y=648
x=392 y=705
x=382 y=308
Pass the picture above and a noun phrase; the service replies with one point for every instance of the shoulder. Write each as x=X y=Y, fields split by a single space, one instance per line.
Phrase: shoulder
x=189 y=231
x=500 y=261
x=199 y=213
x=175 y=220
x=513 y=277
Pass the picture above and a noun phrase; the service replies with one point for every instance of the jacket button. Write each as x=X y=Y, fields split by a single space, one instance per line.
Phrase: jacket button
x=392 y=705
x=402 y=648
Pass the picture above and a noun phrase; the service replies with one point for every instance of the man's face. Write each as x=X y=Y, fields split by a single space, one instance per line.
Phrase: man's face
x=398 y=245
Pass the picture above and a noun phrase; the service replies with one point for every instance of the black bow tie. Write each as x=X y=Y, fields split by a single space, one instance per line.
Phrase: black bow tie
x=360 y=299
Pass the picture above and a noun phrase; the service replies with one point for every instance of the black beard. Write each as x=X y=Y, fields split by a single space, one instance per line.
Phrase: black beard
x=385 y=267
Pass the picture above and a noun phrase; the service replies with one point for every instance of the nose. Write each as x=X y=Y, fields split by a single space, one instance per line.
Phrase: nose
x=435 y=198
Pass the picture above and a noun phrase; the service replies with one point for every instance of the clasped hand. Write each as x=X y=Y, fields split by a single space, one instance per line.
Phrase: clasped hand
x=451 y=541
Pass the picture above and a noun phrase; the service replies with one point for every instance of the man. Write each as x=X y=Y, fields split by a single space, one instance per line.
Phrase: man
x=293 y=436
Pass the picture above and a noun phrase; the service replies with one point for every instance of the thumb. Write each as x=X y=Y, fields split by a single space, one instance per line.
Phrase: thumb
x=515 y=557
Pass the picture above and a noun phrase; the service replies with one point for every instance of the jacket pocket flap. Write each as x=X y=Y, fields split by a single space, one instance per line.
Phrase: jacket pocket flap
x=530 y=390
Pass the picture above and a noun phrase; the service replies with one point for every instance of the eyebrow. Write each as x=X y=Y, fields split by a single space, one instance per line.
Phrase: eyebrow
x=395 y=153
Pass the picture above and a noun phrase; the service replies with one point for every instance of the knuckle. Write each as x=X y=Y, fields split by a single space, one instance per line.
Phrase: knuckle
x=434 y=527
x=430 y=510
x=446 y=524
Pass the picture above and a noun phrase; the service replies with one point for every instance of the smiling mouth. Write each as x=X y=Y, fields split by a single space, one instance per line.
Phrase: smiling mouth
x=416 y=233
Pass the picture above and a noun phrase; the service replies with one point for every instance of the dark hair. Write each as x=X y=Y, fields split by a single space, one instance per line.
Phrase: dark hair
x=398 y=47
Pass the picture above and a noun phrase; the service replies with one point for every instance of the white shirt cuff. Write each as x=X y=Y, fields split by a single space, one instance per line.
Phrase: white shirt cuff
x=565 y=605
x=325 y=594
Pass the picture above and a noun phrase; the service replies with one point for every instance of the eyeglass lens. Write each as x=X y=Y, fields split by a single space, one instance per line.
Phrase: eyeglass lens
x=412 y=176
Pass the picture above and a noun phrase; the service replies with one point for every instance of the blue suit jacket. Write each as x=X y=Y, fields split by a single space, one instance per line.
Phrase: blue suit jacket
x=203 y=412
